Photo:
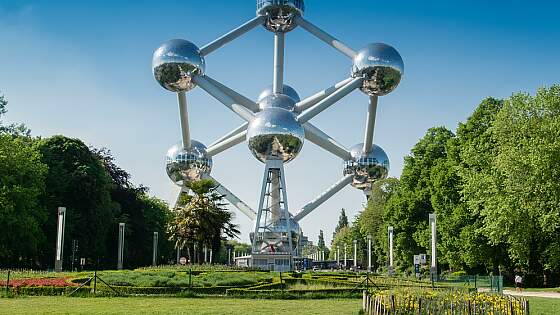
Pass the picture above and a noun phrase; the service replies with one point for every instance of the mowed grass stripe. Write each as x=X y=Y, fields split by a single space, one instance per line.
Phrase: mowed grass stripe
x=154 y=305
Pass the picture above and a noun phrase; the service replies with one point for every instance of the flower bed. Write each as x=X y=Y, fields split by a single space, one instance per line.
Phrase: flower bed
x=39 y=282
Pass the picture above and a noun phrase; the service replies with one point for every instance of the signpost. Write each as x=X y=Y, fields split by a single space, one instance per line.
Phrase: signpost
x=60 y=239
x=183 y=260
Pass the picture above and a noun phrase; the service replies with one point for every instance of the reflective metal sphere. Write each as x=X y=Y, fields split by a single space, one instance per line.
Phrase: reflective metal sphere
x=275 y=134
x=381 y=66
x=278 y=101
x=185 y=166
x=280 y=13
x=276 y=235
x=174 y=64
x=366 y=168
x=288 y=90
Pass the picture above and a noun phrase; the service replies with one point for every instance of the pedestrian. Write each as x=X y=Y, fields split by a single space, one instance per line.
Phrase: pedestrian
x=518 y=283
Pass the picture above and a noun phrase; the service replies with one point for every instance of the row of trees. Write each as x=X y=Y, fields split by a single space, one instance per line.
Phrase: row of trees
x=493 y=185
x=37 y=175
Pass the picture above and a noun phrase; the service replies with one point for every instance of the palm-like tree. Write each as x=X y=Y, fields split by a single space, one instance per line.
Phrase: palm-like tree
x=201 y=219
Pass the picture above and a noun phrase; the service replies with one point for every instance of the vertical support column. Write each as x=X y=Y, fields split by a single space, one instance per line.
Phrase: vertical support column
x=184 y=115
x=278 y=81
x=370 y=124
x=369 y=252
x=155 y=249
x=433 y=266
x=391 y=266
x=60 y=239
x=120 y=254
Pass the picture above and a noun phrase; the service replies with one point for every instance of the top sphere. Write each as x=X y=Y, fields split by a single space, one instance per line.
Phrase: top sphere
x=174 y=64
x=280 y=13
x=288 y=90
x=381 y=66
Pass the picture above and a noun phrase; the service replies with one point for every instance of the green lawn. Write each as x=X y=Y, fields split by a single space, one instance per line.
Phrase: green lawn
x=543 y=306
x=153 y=306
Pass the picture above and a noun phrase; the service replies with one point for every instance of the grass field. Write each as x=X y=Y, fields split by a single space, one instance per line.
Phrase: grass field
x=153 y=306
x=543 y=306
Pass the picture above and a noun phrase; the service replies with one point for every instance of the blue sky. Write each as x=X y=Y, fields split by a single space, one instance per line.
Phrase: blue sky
x=82 y=69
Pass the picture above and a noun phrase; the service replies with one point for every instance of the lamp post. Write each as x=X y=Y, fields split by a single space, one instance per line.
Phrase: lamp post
x=369 y=252
x=391 y=266
x=60 y=239
x=345 y=250
x=155 y=251
x=433 y=267
x=120 y=254
x=355 y=254
x=337 y=256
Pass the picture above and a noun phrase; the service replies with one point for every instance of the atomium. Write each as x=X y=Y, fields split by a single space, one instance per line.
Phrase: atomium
x=174 y=64
x=381 y=66
x=184 y=166
x=275 y=134
x=366 y=168
x=277 y=124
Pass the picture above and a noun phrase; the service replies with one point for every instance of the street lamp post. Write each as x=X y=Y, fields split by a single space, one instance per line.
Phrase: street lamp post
x=155 y=251
x=120 y=254
x=433 y=267
x=345 y=250
x=369 y=252
x=391 y=266
x=60 y=239
x=355 y=254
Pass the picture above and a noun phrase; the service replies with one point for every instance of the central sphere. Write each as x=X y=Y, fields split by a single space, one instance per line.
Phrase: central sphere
x=280 y=13
x=381 y=66
x=187 y=165
x=174 y=64
x=287 y=90
x=366 y=167
x=275 y=134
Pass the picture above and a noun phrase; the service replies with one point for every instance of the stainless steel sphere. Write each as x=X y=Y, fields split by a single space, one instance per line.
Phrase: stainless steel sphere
x=288 y=90
x=184 y=166
x=174 y=64
x=280 y=13
x=382 y=67
x=366 y=168
x=275 y=134
x=278 y=101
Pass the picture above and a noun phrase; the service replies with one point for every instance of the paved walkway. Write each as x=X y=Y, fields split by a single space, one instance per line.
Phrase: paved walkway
x=543 y=294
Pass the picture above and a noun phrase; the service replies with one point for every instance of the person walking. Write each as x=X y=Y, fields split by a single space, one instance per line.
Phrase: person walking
x=518 y=283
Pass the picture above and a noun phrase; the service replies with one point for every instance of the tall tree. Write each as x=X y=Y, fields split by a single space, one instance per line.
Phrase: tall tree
x=342 y=221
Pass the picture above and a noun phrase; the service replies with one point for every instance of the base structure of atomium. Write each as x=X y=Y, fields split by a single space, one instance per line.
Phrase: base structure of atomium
x=277 y=125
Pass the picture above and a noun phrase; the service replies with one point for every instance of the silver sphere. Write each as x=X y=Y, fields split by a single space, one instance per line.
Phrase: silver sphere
x=366 y=168
x=288 y=90
x=184 y=166
x=275 y=134
x=382 y=67
x=280 y=13
x=174 y=64
x=278 y=101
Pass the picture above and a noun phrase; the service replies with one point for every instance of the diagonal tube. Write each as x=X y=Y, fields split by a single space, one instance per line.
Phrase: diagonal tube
x=230 y=36
x=323 y=140
x=370 y=124
x=227 y=143
x=223 y=98
x=236 y=202
x=330 y=100
x=238 y=98
x=324 y=36
x=317 y=97
x=278 y=79
x=230 y=134
x=308 y=208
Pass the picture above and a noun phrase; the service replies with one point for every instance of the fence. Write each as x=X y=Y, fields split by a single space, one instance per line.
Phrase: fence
x=495 y=304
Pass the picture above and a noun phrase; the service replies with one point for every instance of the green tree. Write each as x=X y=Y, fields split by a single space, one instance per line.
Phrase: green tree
x=201 y=220
x=78 y=181
x=21 y=182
